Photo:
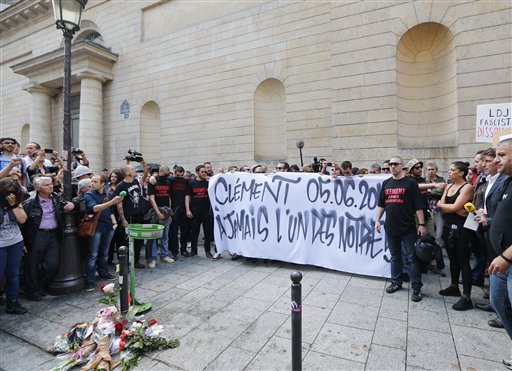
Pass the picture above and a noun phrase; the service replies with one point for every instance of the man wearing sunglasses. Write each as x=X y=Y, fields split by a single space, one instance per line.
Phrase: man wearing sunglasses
x=400 y=198
x=8 y=160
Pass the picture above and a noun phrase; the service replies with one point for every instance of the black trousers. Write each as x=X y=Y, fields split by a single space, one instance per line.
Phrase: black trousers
x=201 y=217
x=42 y=261
x=179 y=223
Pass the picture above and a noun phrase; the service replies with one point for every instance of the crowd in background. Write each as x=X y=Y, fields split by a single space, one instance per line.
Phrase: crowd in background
x=33 y=205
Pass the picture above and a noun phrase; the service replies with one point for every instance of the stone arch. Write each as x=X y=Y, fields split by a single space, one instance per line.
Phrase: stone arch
x=25 y=135
x=426 y=77
x=270 y=121
x=150 y=132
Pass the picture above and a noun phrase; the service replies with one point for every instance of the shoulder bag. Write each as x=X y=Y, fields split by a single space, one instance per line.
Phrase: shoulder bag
x=87 y=227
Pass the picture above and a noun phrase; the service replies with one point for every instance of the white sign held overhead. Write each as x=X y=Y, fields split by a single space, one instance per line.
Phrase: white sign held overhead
x=491 y=118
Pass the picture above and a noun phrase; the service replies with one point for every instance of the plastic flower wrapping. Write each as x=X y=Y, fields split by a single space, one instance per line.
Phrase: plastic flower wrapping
x=110 y=340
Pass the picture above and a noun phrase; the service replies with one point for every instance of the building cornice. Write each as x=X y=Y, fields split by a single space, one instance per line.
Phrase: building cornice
x=86 y=57
x=24 y=11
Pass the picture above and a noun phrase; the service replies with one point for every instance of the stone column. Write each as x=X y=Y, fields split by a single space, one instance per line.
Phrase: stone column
x=40 y=114
x=91 y=118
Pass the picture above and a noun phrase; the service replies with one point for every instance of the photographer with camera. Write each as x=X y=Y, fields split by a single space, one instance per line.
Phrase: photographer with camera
x=39 y=164
x=79 y=157
x=8 y=160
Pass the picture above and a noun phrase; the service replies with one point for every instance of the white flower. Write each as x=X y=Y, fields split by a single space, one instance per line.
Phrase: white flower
x=109 y=288
x=155 y=330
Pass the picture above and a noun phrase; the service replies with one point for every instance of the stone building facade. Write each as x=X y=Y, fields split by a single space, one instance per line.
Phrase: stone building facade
x=240 y=82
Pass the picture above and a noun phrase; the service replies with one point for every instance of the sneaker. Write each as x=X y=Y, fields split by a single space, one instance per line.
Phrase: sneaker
x=152 y=264
x=90 y=287
x=416 y=296
x=217 y=256
x=108 y=276
x=450 y=291
x=394 y=287
x=139 y=266
x=185 y=254
x=14 y=307
x=167 y=259
x=192 y=253
x=463 y=304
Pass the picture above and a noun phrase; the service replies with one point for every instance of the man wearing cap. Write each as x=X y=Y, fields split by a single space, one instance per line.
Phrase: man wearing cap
x=81 y=172
x=415 y=172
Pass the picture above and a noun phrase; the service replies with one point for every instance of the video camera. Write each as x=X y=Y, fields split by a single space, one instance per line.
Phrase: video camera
x=134 y=156
x=316 y=165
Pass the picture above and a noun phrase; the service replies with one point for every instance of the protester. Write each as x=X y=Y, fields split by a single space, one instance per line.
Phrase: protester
x=455 y=236
x=11 y=242
x=99 y=200
x=400 y=198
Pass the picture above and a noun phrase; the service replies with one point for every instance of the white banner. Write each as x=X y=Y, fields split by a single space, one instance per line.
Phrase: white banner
x=491 y=118
x=301 y=218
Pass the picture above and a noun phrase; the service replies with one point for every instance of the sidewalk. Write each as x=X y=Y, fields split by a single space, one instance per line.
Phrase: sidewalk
x=235 y=315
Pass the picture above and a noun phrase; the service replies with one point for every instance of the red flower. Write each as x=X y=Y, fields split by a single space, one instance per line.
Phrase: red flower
x=122 y=343
x=152 y=322
x=119 y=327
x=102 y=286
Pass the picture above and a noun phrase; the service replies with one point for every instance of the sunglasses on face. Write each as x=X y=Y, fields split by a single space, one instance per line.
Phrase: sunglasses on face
x=385 y=169
x=417 y=168
x=279 y=168
x=394 y=163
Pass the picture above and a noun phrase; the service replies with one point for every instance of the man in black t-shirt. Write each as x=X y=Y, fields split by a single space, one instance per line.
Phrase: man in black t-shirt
x=160 y=200
x=400 y=198
x=131 y=210
x=180 y=223
x=197 y=205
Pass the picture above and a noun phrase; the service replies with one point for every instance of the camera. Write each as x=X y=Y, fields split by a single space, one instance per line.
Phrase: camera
x=315 y=165
x=76 y=151
x=329 y=164
x=134 y=156
x=48 y=150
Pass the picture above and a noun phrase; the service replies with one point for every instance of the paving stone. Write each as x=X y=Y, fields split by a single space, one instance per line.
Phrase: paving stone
x=196 y=295
x=224 y=326
x=275 y=355
x=174 y=279
x=473 y=363
x=435 y=304
x=313 y=319
x=430 y=350
x=227 y=294
x=344 y=342
x=283 y=304
x=260 y=331
x=321 y=299
x=196 y=351
x=391 y=333
x=166 y=314
x=332 y=285
x=435 y=321
x=245 y=309
x=472 y=318
x=206 y=307
x=166 y=297
x=265 y=292
x=367 y=282
x=321 y=362
x=354 y=315
x=393 y=308
x=382 y=358
x=356 y=295
x=16 y=354
x=216 y=283
x=184 y=323
x=470 y=342
x=231 y=359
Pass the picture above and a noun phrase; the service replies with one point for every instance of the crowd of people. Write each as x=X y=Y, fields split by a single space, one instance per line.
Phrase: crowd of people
x=415 y=199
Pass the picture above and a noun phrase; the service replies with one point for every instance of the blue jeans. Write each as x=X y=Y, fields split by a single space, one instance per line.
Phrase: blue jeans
x=98 y=252
x=164 y=241
x=500 y=296
x=10 y=263
x=395 y=248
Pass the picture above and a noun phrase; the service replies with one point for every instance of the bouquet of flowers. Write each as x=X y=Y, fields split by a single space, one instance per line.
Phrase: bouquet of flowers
x=108 y=335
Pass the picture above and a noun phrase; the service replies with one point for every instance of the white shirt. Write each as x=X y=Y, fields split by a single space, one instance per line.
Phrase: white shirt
x=490 y=181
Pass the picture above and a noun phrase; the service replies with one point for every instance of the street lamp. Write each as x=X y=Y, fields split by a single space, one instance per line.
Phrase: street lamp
x=69 y=278
x=300 y=145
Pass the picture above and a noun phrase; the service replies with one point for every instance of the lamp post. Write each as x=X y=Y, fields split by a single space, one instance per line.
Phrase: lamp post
x=69 y=277
x=300 y=145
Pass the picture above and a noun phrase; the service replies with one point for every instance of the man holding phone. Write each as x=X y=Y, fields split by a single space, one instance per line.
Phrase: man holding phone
x=8 y=160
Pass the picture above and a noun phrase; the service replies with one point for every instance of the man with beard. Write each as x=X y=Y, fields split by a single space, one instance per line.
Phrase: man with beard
x=197 y=205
